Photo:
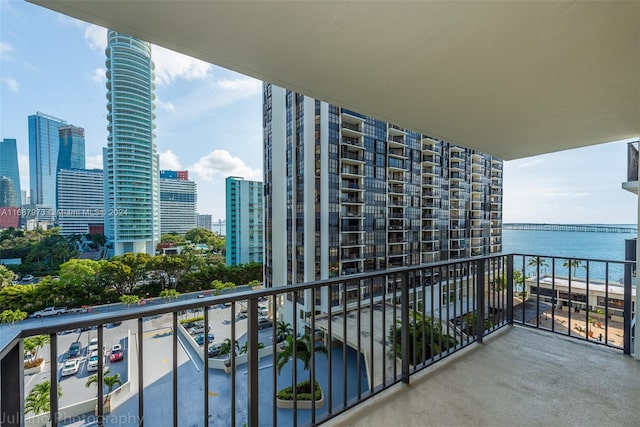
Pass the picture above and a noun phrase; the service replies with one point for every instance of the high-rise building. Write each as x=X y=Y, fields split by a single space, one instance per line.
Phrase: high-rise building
x=131 y=163
x=71 y=154
x=10 y=191
x=44 y=146
x=178 y=202
x=245 y=223
x=203 y=221
x=346 y=194
x=80 y=201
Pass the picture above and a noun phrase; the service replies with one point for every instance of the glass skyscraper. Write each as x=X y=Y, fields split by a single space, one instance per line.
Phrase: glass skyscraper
x=131 y=163
x=44 y=147
x=10 y=191
x=71 y=154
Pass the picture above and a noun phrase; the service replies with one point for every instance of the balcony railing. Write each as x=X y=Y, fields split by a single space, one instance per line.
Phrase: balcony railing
x=378 y=330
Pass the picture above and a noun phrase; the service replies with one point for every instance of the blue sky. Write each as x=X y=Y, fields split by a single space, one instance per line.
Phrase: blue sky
x=209 y=121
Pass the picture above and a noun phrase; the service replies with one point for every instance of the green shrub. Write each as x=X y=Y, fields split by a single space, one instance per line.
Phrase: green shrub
x=191 y=319
x=303 y=392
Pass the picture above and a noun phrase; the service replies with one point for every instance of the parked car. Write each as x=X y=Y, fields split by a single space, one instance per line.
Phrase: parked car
x=214 y=350
x=241 y=315
x=199 y=339
x=74 y=350
x=117 y=354
x=92 y=363
x=27 y=279
x=70 y=367
x=50 y=311
x=198 y=329
x=264 y=322
x=93 y=345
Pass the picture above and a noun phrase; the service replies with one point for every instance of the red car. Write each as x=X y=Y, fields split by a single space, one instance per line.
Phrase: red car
x=116 y=353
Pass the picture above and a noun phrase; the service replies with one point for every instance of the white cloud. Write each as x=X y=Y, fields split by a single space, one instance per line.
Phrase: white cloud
x=221 y=162
x=245 y=85
x=95 y=36
x=12 y=83
x=169 y=160
x=5 y=49
x=94 y=162
x=172 y=65
x=99 y=75
x=167 y=106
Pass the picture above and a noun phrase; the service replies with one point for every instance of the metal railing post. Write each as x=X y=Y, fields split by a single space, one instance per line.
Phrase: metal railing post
x=53 y=381
x=404 y=314
x=12 y=383
x=480 y=301
x=627 y=309
x=510 y=285
x=252 y=362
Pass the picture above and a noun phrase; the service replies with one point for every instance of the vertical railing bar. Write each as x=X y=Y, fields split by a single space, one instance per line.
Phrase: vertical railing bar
x=328 y=340
x=494 y=300
x=344 y=345
x=358 y=341
x=53 y=390
x=140 y=339
x=522 y=292
x=423 y=313
x=100 y=401
x=205 y=358
x=510 y=285
x=252 y=361
x=448 y=302
x=481 y=300
x=586 y=316
x=371 y=335
x=414 y=320
x=570 y=299
x=12 y=383
x=538 y=293
x=440 y=308
x=274 y=354
x=556 y=300
x=395 y=328
x=312 y=368
x=251 y=312
x=175 y=367
x=404 y=313
x=626 y=330
x=466 y=316
x=606 y=306
x=431 y=323
x=384 y=331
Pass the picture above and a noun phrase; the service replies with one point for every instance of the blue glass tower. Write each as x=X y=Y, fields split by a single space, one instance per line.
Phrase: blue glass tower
x=44 y=145
x=131 y=163
x=10 y=194
x=71 y=154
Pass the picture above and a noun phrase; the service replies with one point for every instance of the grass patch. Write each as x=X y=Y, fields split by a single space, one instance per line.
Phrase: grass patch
x=303 y=391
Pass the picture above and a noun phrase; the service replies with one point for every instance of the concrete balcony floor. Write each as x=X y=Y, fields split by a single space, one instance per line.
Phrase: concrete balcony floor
x=518 y=377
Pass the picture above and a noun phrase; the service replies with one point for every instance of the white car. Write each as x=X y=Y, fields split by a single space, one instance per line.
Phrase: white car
x=93 y=345
x=70 y=367
x=92 y=363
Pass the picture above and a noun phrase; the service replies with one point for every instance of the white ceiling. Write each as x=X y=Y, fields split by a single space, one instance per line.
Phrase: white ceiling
x=513 y=79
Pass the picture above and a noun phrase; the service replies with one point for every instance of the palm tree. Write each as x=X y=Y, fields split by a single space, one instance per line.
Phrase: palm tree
x=35 y=343
x=110 y=380
x=12 y=316
x=245 y=347
x=538 y=262
x=572 y=264
x=304 y=347
x=226 y=346
x=283 y=330
x=38 y=399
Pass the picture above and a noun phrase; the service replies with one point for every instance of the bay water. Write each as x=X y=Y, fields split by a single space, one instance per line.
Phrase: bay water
x=569 y=244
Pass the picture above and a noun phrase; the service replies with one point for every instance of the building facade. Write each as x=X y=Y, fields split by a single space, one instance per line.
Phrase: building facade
x=178 y=202
x=203 y=221
x=71 y=154
x=245 y=223
x=80 y=201
x=44 y=147
x=10 y=190
x=347 y=194
x=131 y=162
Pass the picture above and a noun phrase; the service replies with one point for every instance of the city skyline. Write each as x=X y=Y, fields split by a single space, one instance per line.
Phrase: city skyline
x=209 y=121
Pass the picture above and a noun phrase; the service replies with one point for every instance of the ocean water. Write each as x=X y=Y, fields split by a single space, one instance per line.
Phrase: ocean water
x=569 y=244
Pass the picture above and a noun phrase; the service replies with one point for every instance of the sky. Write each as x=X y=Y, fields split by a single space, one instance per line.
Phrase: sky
x=209 y=122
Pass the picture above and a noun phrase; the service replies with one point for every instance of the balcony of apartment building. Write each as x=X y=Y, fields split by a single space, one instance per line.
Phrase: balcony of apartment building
x=429 y=146
x=396 y=176
x=476 y=325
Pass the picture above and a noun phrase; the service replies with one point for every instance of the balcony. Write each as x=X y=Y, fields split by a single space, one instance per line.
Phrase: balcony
x=488 y=330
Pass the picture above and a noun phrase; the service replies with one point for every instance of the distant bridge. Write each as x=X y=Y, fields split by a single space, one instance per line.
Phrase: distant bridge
x=570 y=227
